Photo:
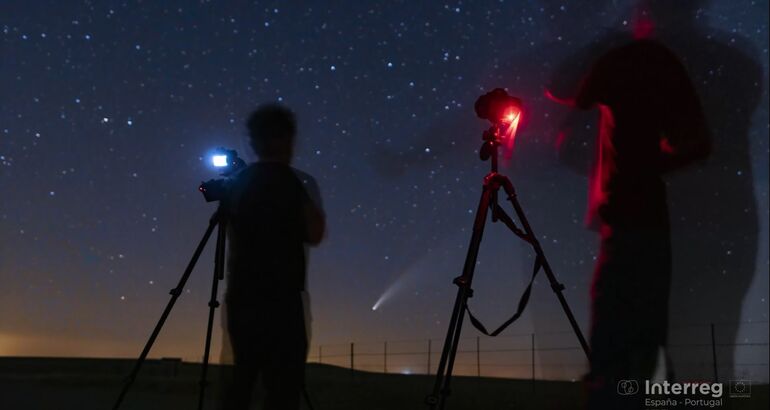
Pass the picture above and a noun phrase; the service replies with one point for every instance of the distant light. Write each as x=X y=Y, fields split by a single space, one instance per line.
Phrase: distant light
x=219 y=161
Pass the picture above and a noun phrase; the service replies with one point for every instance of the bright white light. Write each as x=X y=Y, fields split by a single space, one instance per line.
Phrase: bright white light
x=219 y=160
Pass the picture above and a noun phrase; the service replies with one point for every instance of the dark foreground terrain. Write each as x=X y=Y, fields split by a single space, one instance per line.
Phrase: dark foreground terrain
x=60 y=384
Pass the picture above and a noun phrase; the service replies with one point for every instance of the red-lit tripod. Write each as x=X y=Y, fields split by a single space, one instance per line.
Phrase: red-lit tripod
x=492 y=184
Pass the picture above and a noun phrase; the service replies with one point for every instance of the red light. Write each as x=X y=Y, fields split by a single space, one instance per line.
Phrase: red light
x=643 y=25
x=510 y=121
x=563 y=101
x=510 y=115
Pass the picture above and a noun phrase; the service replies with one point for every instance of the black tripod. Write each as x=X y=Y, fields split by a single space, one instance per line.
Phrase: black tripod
x=492 y=184
x=217 y=219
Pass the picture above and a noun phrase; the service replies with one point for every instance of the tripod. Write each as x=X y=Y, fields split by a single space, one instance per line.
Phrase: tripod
x=491 y=186
x=218 y=219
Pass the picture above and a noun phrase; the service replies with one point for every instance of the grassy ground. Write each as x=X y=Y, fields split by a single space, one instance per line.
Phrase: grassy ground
x=331 y=388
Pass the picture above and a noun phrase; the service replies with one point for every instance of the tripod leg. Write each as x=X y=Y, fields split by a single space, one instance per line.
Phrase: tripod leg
x=175 y=293
x=445 y=388
x=444 y=374
x=440 y=389
x=219 y=263
x=306 y=395
x=555 y=285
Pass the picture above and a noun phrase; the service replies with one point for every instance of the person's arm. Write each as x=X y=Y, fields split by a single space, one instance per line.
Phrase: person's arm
x=684 y=145
x=312 y=208
x=315 y=223
x=686 y=137
x=596 y=84
x=576 y=141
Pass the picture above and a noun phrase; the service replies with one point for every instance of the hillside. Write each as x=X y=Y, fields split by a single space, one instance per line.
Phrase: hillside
x=85 y=384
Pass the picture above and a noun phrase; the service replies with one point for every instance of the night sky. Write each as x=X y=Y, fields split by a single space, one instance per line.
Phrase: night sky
x=109 y=108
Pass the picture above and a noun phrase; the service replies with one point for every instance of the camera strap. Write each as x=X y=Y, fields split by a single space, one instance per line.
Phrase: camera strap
x=500 y=214
x=519 y=311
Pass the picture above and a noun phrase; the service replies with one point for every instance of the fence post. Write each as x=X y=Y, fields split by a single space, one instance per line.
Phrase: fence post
x=533 y=362
x=352 y=357
x=429 y=353
x=478 y=356
x=714 y=353
x=385 y=358
x=320 y=354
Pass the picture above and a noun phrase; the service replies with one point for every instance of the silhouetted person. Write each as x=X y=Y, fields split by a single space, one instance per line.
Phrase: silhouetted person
x=272 y=218
x=651 y=122
x=715 y=228
x=712 y=204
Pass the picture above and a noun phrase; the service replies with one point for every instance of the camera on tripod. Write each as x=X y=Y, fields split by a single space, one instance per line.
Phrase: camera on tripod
x=228 y=162
x=498 y=107
x=504 y=112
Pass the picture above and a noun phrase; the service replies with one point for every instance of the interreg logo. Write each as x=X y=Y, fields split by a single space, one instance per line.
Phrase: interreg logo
x=665 y=394
x=665 y=388
x=628 y=387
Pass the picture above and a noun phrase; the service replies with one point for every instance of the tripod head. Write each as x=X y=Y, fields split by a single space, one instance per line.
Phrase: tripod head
x=489 y=146
x=504 y=112
x=228 y=163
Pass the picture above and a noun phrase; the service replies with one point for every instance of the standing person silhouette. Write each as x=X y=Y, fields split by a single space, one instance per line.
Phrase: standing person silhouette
x=715 y=223
x=273 y=214
x=712 y=205
x=651 y=122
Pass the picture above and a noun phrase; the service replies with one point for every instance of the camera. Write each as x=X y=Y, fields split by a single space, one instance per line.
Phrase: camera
x=498 y=107
x=228 y=162
x=504 y=112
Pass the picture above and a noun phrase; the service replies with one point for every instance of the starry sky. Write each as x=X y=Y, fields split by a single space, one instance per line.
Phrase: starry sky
x=108 y=109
